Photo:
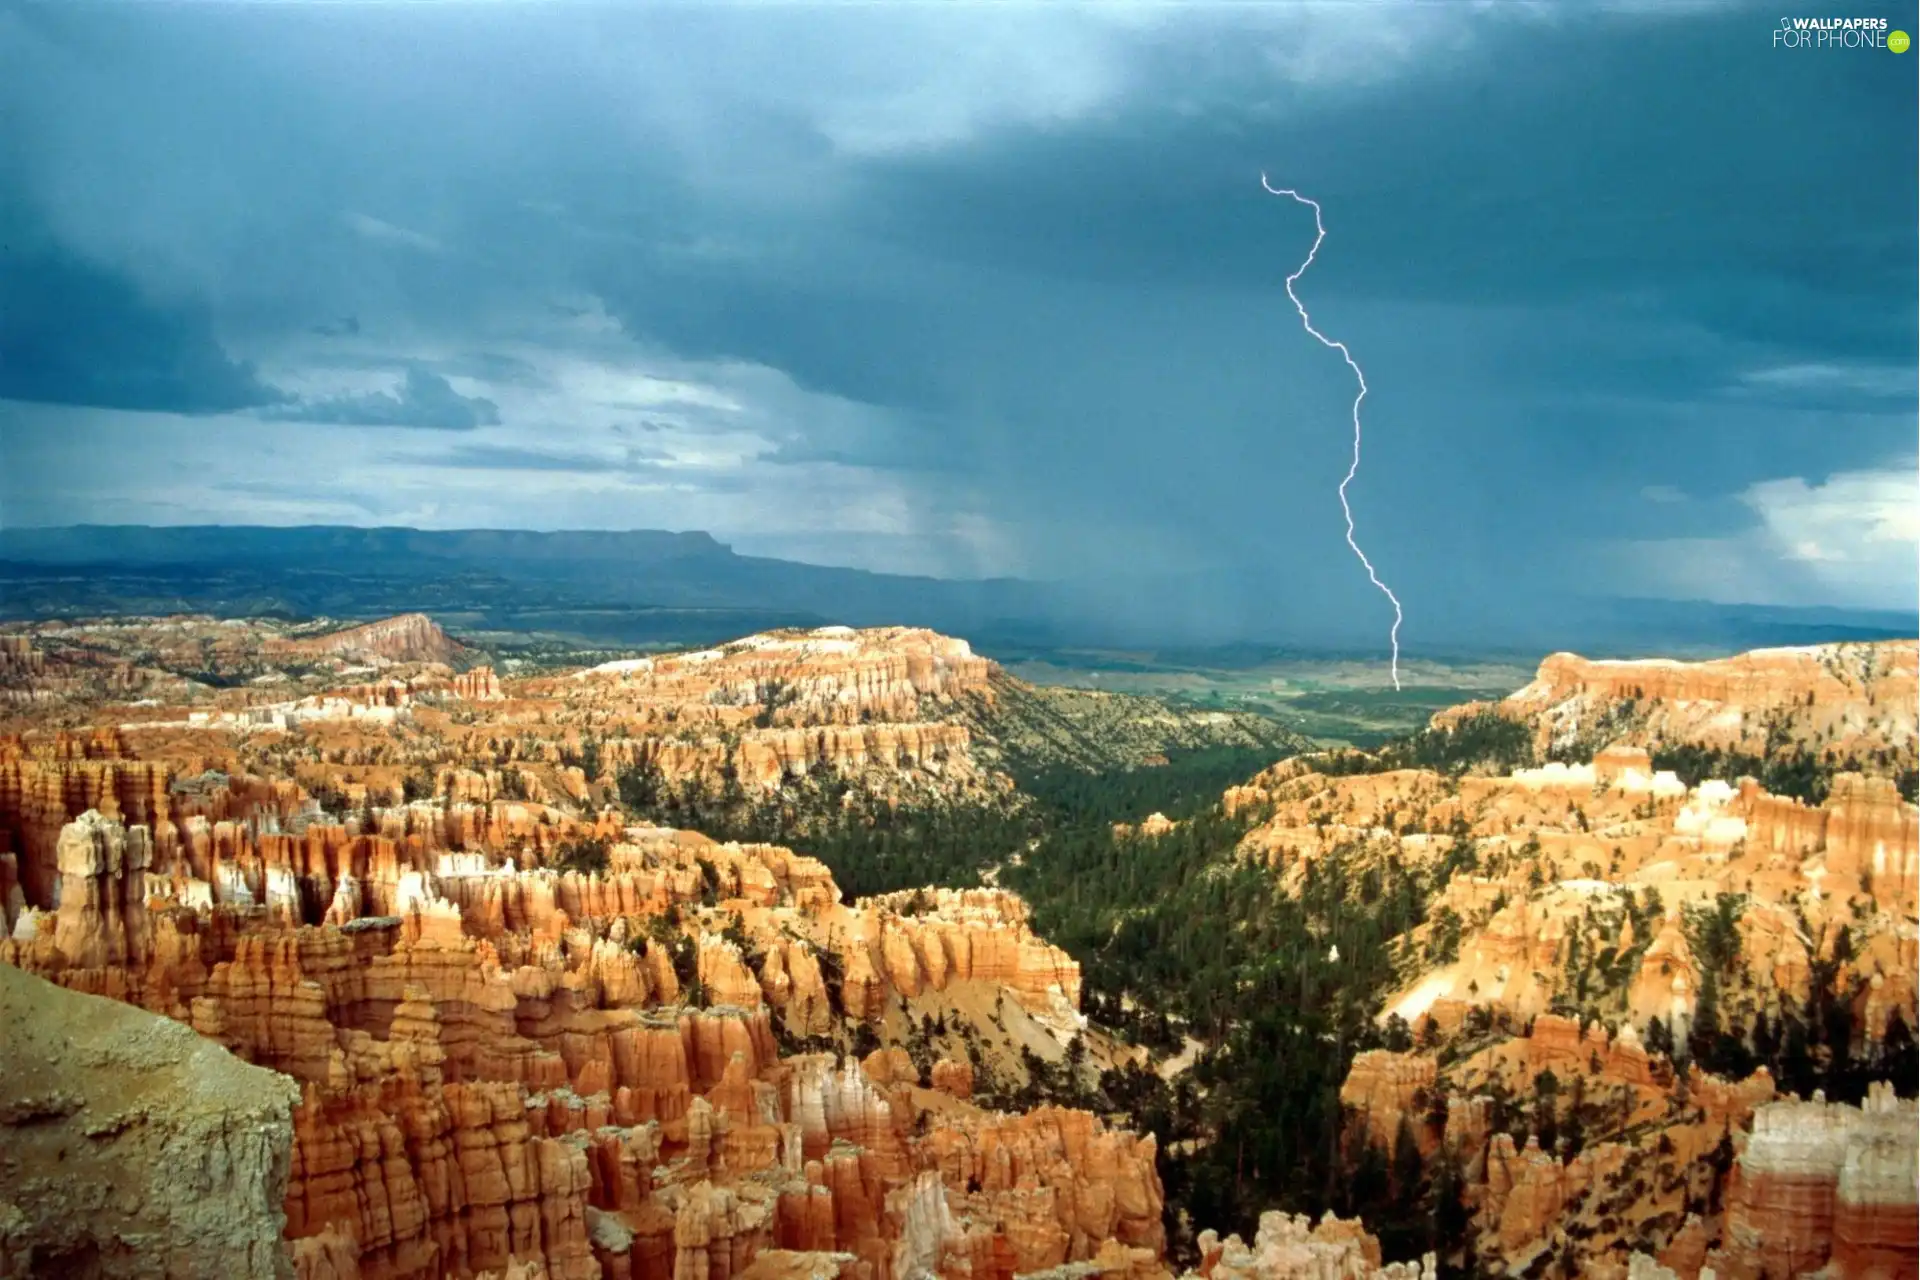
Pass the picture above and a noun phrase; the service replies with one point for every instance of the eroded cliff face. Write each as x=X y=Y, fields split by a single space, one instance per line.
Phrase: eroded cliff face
x=832 y=675
x=1824 y=1187
x=406 y=637
x=1293 y=1246
x=152 y=662
x=498 y=1067
x=129 y=1146
x=1637 y=1138
x=1840 y=700
x=378 y=711
x=363 y=872
x=1574 y=886
x=506 y=1068
x=1580 y=913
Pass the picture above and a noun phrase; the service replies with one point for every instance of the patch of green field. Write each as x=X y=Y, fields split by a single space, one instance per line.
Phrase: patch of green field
x=1335 y=699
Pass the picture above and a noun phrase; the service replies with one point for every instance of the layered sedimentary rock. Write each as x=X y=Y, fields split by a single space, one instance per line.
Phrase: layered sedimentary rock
x=532 y=1036
x=1388 y=1088
x=1834 y=699
x=764 y=758
x=1648 y=1133
x=407 y=637
x=129 y=1146
x=1576 y=904
x=1581 y=880
x=1825 y=1185
x=376 y=712
x=19 y=660
x=504 y=1072
x=830 y=675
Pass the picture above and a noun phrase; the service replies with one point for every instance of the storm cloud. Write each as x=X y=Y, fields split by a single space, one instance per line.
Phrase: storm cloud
x=423 y=399
x=985 y=289
x=79 y=332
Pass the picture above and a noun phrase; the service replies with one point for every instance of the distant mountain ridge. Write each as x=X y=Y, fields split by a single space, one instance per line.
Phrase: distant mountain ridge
x=175 y=544
x=633 y=586
x=648 y=586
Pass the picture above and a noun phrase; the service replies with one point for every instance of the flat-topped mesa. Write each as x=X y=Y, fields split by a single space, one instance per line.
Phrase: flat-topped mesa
x=1825 y=1185
x=1759 y=680
x=406 y=637
x=832 y=675
x=893 y=713
x=1835 y=700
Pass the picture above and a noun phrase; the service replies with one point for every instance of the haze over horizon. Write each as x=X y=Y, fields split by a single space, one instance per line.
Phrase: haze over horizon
x=978 y=294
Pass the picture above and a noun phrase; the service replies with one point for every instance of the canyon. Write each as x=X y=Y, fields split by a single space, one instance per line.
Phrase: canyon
x=482 y=1019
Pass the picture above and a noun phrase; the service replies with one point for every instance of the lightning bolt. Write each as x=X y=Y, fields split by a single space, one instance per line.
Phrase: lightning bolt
x=1320 y=233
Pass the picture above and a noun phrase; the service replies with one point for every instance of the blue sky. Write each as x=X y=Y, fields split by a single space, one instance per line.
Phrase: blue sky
x=984 y=289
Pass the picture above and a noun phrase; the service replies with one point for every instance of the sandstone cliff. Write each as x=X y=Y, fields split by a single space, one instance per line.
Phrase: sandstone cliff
x=505 y=1071
x=533 y=1036
x=1837 y=700
x=1576 y=883
x=1574 y=905
x=1825 y=1187
x=407 y=637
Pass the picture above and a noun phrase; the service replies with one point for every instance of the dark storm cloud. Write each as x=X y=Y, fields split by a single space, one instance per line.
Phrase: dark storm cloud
x=1019 y=268
x=1690 y=163
x=1682 y=232
x=424 y=399
x=76 y=332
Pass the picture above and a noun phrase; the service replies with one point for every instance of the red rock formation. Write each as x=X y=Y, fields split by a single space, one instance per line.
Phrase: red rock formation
x=1825 y=1185
x=1837 y=699
x=832 y=675
x=493 y=1077
x=1563 y=853
x=1526 y=1200
x=19 y=660
x=102 y=921
x=503 y=1067
x=1385 y=1088
x=406 y=637
x=477 y=685
x=955 y=1078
